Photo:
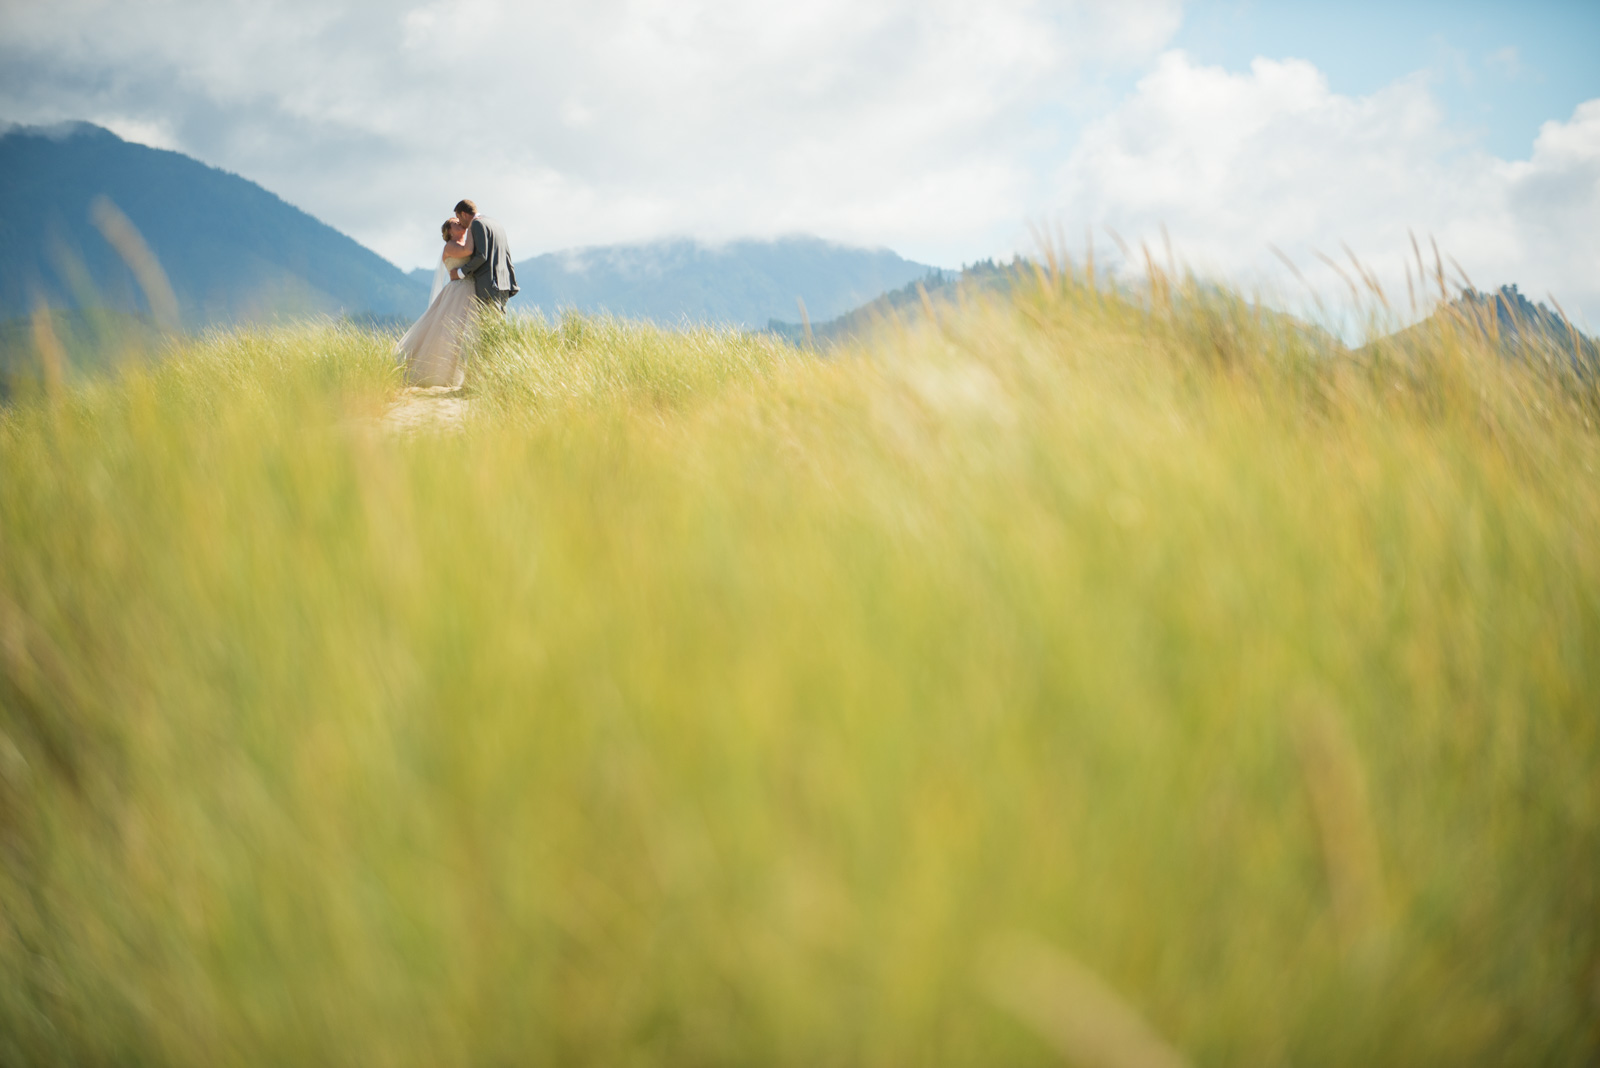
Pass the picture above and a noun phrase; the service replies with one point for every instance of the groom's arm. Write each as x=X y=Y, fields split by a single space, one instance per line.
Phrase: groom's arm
x=479 y=241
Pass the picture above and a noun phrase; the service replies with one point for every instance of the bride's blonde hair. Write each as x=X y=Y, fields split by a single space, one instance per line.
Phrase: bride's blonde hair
x=444 y=228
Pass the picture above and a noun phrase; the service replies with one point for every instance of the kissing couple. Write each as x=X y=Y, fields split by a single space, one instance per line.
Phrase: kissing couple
x=474 y=275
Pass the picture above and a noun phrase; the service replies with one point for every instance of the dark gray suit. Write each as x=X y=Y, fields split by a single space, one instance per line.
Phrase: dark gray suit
x=493 y=278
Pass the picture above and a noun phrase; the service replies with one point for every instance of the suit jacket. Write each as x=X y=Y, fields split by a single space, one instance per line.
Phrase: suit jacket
x=490 y=266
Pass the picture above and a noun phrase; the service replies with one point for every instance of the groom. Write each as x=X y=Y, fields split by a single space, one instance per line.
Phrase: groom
x=493 y=278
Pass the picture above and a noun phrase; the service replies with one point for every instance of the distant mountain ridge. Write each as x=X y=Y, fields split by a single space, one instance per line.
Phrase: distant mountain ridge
x=1519 y=327
x=742 y=283
x=1523 y=325
x=231 y=250
x=907 y=304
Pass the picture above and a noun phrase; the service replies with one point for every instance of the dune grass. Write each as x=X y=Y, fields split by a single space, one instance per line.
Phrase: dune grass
x=1069 y=678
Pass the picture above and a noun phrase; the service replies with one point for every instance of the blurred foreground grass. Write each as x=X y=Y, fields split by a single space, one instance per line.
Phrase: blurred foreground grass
x=1062 y=680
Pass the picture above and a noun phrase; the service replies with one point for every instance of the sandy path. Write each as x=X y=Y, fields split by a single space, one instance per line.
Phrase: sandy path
x=427 y=408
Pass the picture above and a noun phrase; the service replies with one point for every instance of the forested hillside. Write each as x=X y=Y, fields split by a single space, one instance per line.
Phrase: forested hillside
x=231 y=250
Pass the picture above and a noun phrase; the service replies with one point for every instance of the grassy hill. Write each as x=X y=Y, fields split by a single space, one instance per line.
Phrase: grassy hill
x=941 y=294
x=230 y=250
x=907 y=304
x=1069 y=679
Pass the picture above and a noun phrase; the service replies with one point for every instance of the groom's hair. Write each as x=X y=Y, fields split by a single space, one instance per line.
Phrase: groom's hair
x=467 y=206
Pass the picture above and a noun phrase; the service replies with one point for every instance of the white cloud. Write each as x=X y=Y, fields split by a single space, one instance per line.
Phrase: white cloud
x=903 y=122
x=156 y=134
x=1230 y=162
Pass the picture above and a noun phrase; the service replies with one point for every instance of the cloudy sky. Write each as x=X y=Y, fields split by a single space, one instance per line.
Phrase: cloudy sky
x=946 y=130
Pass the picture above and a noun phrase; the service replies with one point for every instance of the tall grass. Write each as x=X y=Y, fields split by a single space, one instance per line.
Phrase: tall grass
x=1068 y=677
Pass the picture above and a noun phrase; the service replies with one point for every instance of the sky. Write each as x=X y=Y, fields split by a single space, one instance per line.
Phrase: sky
x=1233 y=130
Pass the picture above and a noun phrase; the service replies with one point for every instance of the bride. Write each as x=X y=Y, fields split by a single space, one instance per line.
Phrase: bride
x=431 y=349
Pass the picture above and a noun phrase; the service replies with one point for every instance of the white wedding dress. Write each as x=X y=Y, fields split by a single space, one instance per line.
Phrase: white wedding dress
x=431 y=349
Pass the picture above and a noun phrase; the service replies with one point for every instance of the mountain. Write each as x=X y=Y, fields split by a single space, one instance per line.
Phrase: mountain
x=1521 y=329
x=230 y=250
x=1523 y=326
x=936 y=287
x=742 y=283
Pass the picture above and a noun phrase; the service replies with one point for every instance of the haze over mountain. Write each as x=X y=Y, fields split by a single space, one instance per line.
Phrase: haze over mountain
x=231 y=250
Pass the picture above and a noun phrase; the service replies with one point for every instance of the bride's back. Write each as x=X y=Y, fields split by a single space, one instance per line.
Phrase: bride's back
x=457 y=243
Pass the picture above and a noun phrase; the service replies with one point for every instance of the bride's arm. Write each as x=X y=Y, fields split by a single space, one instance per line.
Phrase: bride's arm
x=455 y=250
